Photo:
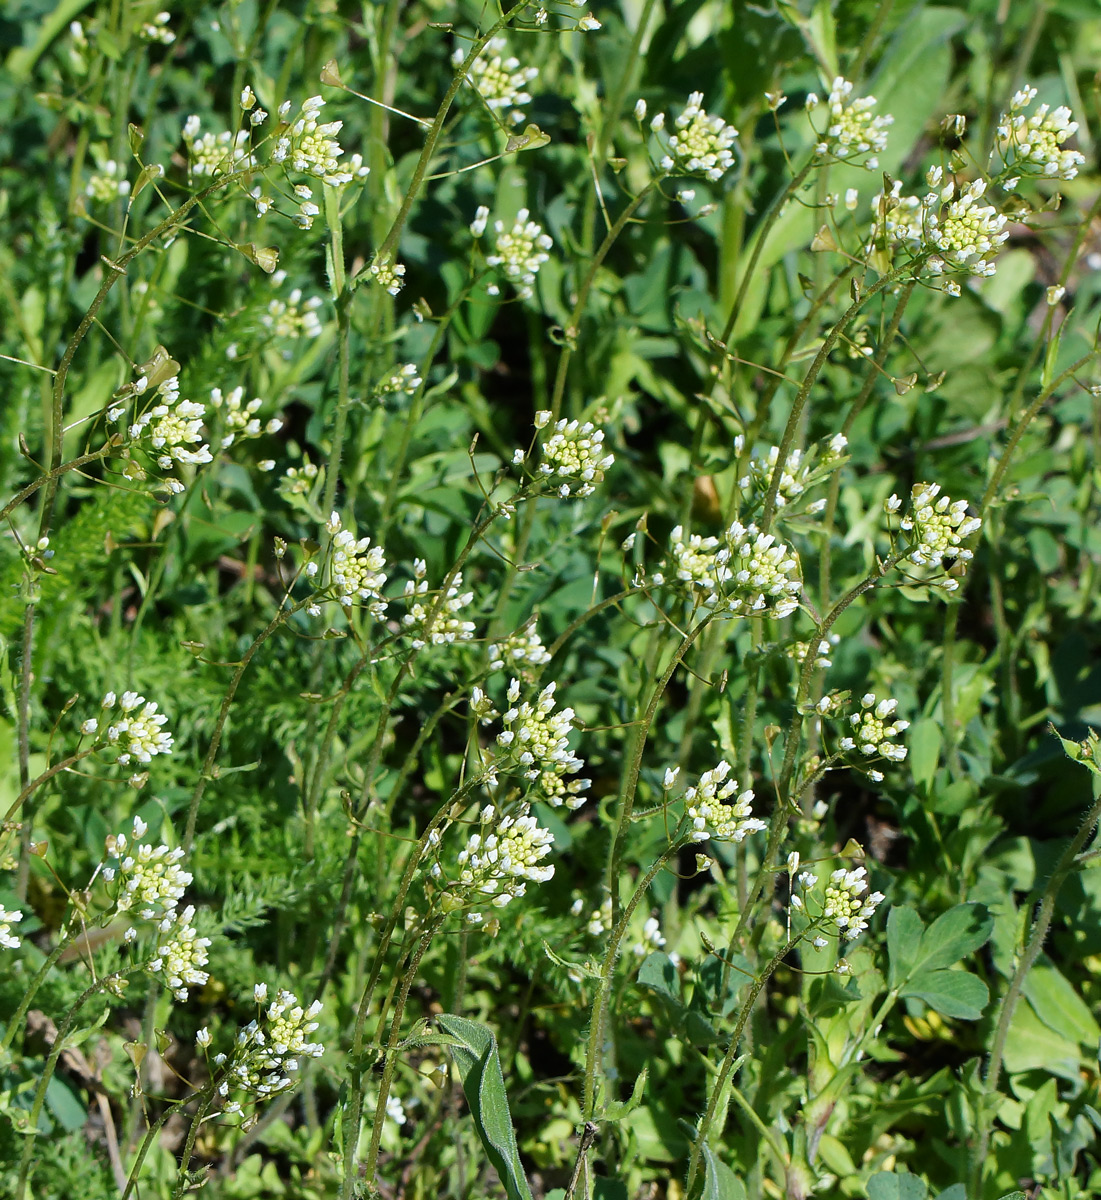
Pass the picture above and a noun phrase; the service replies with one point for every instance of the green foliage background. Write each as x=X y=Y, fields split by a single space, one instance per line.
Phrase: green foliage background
x=837 y=1095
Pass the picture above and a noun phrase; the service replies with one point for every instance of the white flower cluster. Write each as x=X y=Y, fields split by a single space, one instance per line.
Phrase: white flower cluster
x=966 y=233
x=439 y=623
x=8 y=918
x=1034 y=144
x=298 y=481
x=215 y=153
x=652 y=939
x=239 y=417
x=389 y=276
x=151 y=879
x=963 y=234
x=821 y=651
x=846 y=905
x=264 y=1055
x=157 y=30
x=310 y=146
x=936 y=527
x=745 y=573
x=293 y=317
x=402 y=382
x=520 y=651
x=898 y=220
x=499 y=79
x=701 y=143
x=711 y=816
x=797 y=472
x=852 y=129
x=536 y=739
x=170 y=426
x=137 y=732
x=572 y=455
x=180 y=953
x=505 y=855
x=355 y=569
x=874 y=730
x=521 y=251
x=108 y=182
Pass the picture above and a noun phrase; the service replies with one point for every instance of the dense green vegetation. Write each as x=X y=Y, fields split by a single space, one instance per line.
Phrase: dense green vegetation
x=549 y=600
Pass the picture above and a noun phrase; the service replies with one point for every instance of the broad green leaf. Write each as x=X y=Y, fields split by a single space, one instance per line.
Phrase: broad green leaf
x=719 y=1181
x=1014 y=1196
x=910 y=79
x=952 y=993
x=904 y=930
x=956 y=1192
x=889 y=1186
x=616 y=1110
x=660 y=973
x=953 y=935
x=1059 y=1006
x=1032 y=1046
x=484 y=1087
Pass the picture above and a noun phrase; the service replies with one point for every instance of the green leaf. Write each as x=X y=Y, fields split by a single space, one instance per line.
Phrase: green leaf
x=660 y=973
x=951 y=993
x=956 y=1192
x=719 y=1181
x=889 y=1186
x=953 y=935
x=924 y=741
x=484 y=1087
x=1033 y=1046
x=1059 y=1006
x=616 y=1110
x=904 y=931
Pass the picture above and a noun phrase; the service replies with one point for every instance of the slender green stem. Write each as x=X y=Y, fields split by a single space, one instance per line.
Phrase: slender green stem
x=855 y=410
x=30 y=1134
x=150 y=1136
x=17 y=1017
x=770 y=219
x=74 y=464
x=183 y=1184
x=796 y=413
x=571 y=331
x=1036 y=938
x=603 y=987
x=755 y=989
x=30 y=788
x=353 y=1110
x=396 y=468
x=205 y=772
x=630 y=783
x=391 y=1059
x=791 y=745
x=390 y=242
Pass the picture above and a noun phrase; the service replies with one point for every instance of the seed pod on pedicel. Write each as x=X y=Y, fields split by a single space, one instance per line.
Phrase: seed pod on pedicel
x=160 y=367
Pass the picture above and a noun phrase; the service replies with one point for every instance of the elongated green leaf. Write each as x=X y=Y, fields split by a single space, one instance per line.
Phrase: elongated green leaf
x=484 y=1087
x=1059 y=1006
x=616 y=1110
x=719 y=1181
x=953 y=935
x=952 y=993
x=924 y=740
